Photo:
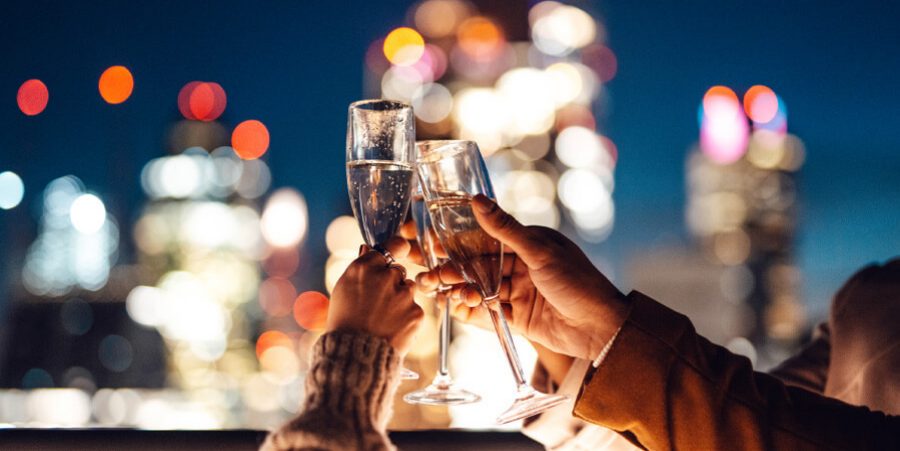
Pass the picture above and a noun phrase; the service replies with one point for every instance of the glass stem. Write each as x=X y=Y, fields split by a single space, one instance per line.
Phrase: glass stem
x=444 y=344
x=506 y=342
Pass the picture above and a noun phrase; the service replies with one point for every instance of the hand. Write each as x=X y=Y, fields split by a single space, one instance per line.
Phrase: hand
x=551 y=292
x=376 y=298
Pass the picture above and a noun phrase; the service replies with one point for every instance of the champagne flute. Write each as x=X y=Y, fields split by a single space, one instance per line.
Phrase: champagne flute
x=450 y=175
x=381 y=138
x=442 y=390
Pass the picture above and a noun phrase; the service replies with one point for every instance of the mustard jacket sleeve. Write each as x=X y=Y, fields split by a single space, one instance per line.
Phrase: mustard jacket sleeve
x=664 y=387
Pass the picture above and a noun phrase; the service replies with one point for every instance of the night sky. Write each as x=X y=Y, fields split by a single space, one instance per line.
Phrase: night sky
x=296 y=64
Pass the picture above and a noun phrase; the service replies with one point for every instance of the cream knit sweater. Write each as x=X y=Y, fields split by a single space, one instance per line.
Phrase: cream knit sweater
x=351 y=382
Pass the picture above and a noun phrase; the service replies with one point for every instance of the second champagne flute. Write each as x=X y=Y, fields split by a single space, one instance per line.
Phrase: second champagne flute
x=442 y=390
x=450 y=176
x=381 y=137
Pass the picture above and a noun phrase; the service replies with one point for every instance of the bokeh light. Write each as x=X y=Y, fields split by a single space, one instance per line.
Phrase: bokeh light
x=724 y=130
x=270 y=339
x=116 y=84
x=343 y=235
x=202 y=101
x=480 y=38
x=311 y=310
x=403 y=46
x=285 y=218
x=250 y=139
x=87 y=213
x=439 y=18
x=276 y=296
x=760 y=104
x=32 y=97
x=12 y=190
x=559 y=29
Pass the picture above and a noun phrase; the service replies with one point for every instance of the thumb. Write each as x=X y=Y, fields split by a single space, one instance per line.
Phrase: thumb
x=506 y=229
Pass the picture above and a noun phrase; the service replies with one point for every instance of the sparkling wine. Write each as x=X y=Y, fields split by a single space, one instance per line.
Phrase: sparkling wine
x=472 y=251
x=424 y=234
x=380 y=192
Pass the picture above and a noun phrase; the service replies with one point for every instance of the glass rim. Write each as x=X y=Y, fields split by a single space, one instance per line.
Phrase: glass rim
x=458 y=146
x=391 y=105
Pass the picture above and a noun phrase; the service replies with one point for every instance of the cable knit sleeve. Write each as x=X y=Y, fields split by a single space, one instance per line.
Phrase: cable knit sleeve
x=351 y=382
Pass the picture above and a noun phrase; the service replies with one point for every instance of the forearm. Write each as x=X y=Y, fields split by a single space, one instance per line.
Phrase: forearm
x=349 y=388
x=666 y=387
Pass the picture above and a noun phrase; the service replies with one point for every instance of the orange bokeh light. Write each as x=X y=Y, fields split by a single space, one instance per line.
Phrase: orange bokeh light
x=202 y=101
x=403 y=46
x=480 y=38
x=276 y=296
x=116 y=84
x=32 y=97
x=311 y=310
x=250 y=139
x=720 y=101
x=760 y=104
x=270 y=339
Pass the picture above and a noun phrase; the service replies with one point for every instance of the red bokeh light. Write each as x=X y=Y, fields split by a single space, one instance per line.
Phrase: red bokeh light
x=760 y=104
x=32 y=97
x=272 y=338
x=202 y=101
x=311 y=310
x=116 y=84
x=250 y=139
x=276 y=296
x=602 y=60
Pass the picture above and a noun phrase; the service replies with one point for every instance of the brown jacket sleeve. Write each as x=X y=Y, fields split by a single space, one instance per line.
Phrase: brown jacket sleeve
x=665 y=387
x=809 y=368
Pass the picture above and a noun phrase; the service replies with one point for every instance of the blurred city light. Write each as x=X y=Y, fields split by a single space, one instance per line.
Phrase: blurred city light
x=202 y=101
x=285 y=218
x=250 y=139
x=87 y=213
x=724 y=129
x=12 y=190
x=116 y=84
x=311 y=310
x=32 y=97
x=404 y=46
x=760 y=104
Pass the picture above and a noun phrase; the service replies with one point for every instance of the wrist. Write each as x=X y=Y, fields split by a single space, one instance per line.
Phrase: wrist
x=610 y=318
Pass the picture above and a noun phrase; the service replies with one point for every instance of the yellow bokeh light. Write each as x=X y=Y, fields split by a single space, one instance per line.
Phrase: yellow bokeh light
x=404 y=46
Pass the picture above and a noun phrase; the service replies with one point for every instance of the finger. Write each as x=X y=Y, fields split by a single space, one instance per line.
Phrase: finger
x=415 y=254
x=502 y=226
x=505 y=289
x=398 y=247
x=509 y=262
x=428 y=281
x=408 y=230
x=370 y=257
x=449 y=275
x=437 y=248
x=466 y=295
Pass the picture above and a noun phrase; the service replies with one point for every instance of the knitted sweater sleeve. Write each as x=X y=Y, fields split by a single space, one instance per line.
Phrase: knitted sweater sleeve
x=351 y=381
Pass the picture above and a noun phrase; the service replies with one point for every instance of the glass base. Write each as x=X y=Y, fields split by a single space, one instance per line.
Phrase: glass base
x=441 y=392
x=408 y=374
x=530 y=404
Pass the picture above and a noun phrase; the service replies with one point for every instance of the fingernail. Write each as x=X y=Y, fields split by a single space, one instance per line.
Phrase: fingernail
x=362 y=250
x=483 y=204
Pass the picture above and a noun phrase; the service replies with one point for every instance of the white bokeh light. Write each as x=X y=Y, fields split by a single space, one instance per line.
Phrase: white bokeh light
x=87 y=213
x=285 y=218
x=12 y=190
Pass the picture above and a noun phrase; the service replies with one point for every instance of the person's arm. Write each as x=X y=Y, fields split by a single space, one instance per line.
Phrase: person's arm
x=809 y=368
x=665 y=387
x=354 y=371
x=352 y=377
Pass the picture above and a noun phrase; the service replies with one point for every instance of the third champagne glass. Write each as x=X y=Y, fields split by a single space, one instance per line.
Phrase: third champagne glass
x=381 y=137
x=442 y=390
x=450 y=176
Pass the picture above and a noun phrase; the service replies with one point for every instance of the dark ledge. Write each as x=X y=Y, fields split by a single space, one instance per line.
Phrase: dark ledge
x=138 y=440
